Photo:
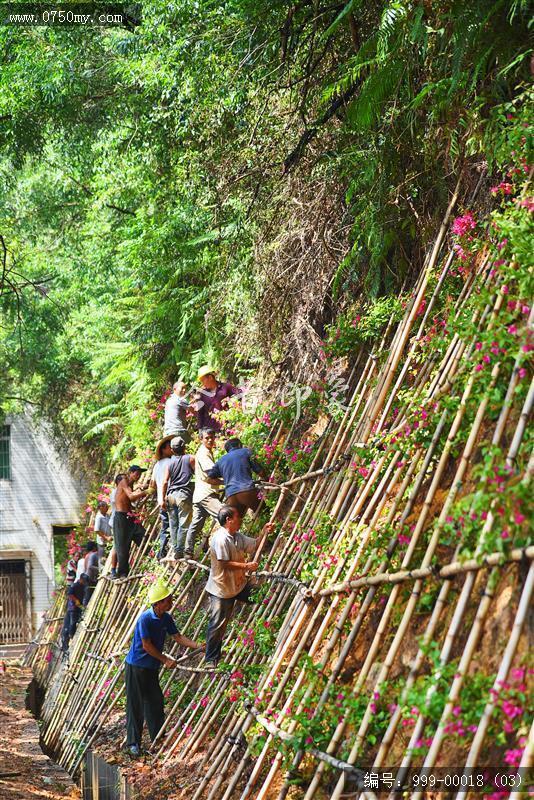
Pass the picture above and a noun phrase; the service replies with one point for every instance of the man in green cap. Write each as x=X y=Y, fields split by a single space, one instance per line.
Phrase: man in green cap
x=144 y=698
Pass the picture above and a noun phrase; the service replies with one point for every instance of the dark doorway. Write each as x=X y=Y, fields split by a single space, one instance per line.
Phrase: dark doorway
x=60 y=537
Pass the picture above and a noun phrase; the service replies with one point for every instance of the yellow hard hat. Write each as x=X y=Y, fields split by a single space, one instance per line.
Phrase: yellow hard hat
x=159 y=591
x=206 y=370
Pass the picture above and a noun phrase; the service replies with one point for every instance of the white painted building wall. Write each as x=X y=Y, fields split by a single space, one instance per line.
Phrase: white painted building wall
x=42 y=492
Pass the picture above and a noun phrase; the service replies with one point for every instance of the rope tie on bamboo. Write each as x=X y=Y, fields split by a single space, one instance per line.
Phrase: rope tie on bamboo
x=317 y=473
x=337 y=763
x=441 y=573
x=237 y=741
x=120 y=581
x=115 y=657
x=105 y=659
x=88 y=629
x=279 y=577
x=35 y=643
x=200 y=670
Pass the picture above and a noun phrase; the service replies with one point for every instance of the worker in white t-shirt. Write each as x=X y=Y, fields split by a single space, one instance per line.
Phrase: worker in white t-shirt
x=163 y=457
x=80 y=568
x=176 y=407
x=206 y=501
x=102 y=528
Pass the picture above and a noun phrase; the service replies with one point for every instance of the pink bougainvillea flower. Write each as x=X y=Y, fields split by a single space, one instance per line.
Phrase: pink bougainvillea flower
x=511 y=709
x=513 y=757
x=460 y=252
x=464 y=224
x=518 y=674
x=505 y=188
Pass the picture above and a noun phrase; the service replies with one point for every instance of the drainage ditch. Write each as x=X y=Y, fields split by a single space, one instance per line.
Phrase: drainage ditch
x=96 y=779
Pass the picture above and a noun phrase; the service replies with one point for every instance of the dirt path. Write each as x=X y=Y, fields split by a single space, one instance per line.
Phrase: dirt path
x=25 y=772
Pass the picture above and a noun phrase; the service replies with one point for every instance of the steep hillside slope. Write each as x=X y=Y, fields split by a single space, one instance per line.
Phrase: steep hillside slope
x=391 y=627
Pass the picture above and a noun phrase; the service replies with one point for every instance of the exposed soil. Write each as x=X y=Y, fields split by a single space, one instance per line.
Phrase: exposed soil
x=176 y=780
x=25 y=772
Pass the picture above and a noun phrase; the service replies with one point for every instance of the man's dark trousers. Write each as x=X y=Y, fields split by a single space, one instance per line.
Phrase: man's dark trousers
x=221 y=609
x=144 y=701
x=164 y=533
x=72 y=618
x=122 y=541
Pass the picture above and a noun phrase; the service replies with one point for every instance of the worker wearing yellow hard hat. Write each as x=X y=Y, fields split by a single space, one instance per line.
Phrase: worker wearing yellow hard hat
x=159 y=591
x=211 y=397
x=144 y=698
x=206 y=370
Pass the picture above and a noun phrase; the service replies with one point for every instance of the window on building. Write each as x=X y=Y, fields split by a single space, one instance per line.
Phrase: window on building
x=5 y=460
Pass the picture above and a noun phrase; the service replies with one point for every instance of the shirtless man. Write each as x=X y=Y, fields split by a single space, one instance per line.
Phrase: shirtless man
x=123 y=523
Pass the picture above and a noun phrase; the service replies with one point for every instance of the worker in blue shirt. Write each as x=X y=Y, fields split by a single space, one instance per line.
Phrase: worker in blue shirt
x=235 y=469
x=144 y=698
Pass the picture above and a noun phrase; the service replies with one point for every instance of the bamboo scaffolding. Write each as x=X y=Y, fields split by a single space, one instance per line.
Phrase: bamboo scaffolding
x=353 y=598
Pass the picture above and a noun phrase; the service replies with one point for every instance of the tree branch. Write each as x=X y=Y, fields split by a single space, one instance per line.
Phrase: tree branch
x=296 y=154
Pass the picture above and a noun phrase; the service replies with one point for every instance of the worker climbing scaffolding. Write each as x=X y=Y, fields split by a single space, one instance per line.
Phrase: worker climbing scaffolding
x=144 y=698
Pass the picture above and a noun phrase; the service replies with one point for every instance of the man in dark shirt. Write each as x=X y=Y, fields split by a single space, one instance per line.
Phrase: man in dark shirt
x=235 y=468
x=212 y=397
x=144 y=698
x=91 y=568
x=177 y=492
x=75 y=595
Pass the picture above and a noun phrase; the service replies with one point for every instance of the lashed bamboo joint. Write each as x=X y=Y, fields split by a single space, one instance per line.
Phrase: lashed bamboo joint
x=372 y=647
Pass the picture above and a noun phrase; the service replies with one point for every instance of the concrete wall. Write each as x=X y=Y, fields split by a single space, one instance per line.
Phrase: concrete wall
x=42 y=492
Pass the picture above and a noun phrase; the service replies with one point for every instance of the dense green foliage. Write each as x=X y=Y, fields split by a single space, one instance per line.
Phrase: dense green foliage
x=222 y=181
